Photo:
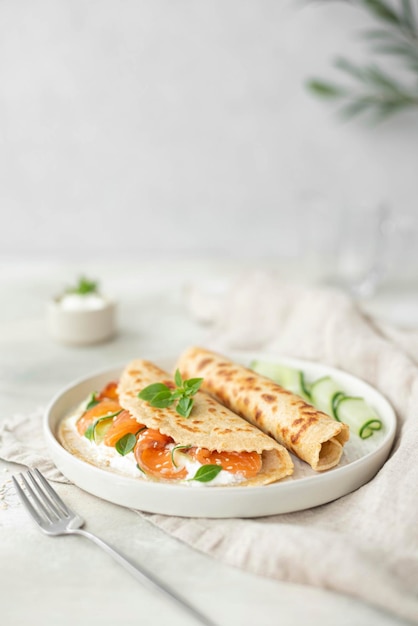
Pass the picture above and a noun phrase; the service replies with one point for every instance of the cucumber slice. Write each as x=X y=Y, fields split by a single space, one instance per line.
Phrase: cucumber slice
x=288 y=377
x=369 y=427
x=96 y=432
x=324 y=395
x=175 y=450
x=360 y=417
x=101 y=427
x=336 y=398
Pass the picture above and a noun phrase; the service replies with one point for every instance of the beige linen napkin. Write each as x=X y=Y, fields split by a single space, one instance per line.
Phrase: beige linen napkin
x=365 y=544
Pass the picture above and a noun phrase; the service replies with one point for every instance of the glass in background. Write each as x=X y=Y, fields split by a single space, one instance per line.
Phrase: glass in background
x=378 y=246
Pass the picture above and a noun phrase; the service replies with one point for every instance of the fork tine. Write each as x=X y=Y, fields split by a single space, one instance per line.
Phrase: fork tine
x=43 y=497
x=53 y=494
x=40 y=505
x=26 y=502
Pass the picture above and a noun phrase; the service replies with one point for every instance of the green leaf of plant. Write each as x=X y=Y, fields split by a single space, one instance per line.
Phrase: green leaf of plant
x=160 y=396
x=350 y=68
x=162 y=400
x=192 y=385
x=89 y=432
x=324 y=89
x=207 y=473
x=355 y=107
x=84 y=287
x=126 y=444
x=148 y=393
x=91 y=400
x=184 y=406
x=378 y=33
x=382 y=11
x=382 y=80
x=397 y=49
x=408 y=17
x=386 y=109
x=177 y=378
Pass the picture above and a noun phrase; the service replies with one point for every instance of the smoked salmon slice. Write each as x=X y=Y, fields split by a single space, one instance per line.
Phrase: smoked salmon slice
x=154 y=457
x=122 y=424
x=109 y=392
x=248 y=464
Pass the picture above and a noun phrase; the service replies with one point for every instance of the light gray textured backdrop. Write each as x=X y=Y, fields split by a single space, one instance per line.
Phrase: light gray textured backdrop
x=182 y=127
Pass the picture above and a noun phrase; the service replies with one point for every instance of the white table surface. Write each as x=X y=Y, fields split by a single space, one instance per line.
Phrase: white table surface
x=66 y=580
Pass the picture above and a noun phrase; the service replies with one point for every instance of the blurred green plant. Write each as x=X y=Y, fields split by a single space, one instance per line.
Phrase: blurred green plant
x=373 y=90
x=84 y=287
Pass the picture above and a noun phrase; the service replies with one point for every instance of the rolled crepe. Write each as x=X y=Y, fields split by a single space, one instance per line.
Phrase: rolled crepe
x=312 y=435
x=210 y=425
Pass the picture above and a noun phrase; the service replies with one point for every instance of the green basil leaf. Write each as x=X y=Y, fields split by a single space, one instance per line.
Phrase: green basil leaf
x=84 y=286
x=91 y=401
x=178 y=379
x=160 y=396
x=162 y=400
x=192 y=382
x=184 y=407
x=126 y=444
x=89 y=432
x=192 y=386
x=207 y=473
x=149 y=392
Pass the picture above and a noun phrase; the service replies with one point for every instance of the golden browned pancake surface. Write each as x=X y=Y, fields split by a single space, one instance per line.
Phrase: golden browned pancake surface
x=312 y=435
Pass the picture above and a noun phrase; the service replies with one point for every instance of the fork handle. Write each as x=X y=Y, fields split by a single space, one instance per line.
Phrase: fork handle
x=141 y=574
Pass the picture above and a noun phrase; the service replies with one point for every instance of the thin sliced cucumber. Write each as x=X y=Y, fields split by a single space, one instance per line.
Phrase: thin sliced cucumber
x=288 y=377
x=324 y=392
x=336 y=399
x=174 y=452
x=369 y=427
x=96 y=432
x=360 y=417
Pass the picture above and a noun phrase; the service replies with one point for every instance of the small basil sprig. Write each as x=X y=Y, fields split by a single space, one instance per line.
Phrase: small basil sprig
x=84 y=286
x=161 y=396
x=91 y=401
x=207 y=473
x=127 y=442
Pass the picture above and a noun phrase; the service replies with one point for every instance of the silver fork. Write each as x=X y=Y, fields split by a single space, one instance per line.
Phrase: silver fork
x=54 y=518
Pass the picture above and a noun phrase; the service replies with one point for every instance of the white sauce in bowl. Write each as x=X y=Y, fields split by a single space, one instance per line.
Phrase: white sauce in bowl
x=79 y=302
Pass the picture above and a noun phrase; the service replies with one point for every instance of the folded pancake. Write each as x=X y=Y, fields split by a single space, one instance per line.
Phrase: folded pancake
x=210 y=425
x=312 y=435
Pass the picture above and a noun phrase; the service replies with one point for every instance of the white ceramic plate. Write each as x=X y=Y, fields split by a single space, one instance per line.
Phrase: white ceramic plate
x=361 y=460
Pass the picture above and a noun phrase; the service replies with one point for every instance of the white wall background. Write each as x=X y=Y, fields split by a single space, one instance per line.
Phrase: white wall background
x=182 y=127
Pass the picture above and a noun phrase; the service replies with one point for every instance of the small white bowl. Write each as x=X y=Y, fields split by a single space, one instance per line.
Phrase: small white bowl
x=82 y=327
